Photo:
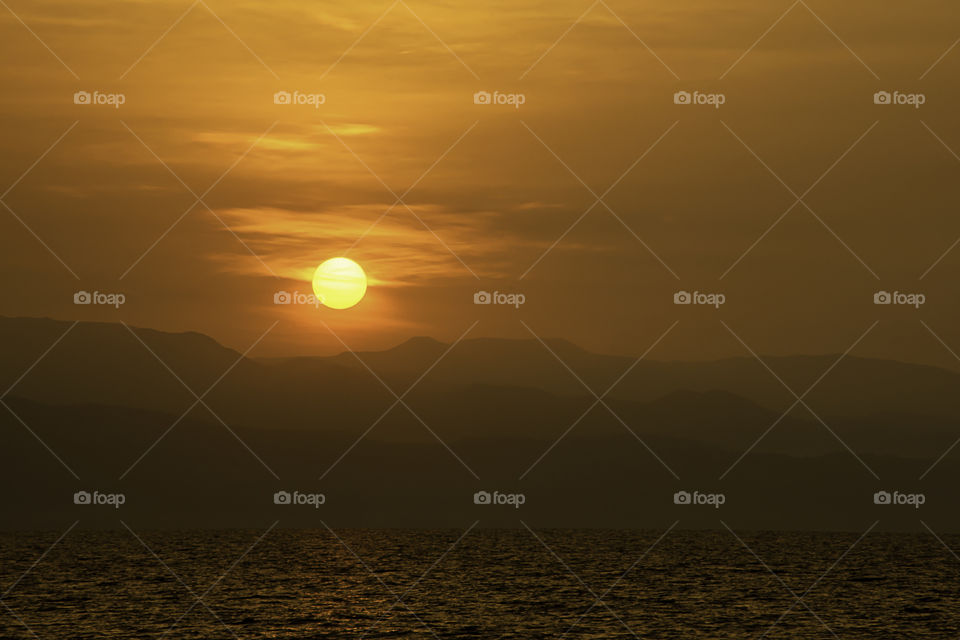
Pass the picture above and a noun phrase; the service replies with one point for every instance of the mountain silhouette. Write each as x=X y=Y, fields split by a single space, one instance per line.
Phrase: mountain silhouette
x=106 y=364
x=506 y=410
x=854 y=386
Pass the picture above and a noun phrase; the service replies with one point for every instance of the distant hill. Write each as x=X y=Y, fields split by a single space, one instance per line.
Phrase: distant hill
x=856 y=387
x=490 y=388
x=506 y=408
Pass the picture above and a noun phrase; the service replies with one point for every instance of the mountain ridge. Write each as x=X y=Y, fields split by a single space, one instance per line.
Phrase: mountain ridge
x=105 y=363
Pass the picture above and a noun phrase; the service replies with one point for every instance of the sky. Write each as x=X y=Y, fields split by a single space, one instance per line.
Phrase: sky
x=598 y=198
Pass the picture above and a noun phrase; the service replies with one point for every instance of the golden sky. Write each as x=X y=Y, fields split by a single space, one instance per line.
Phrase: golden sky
x=486 y=190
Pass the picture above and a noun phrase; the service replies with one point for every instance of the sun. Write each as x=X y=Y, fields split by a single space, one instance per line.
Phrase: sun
x=339 y=283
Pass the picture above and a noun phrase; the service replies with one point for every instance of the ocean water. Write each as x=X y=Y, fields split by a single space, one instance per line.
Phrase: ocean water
x=485 y=584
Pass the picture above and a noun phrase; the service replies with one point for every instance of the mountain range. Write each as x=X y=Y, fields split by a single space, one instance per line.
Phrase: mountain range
x=520 y=413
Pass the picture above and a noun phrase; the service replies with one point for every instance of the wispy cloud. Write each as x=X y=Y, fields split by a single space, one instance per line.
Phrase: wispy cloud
x=397 y=251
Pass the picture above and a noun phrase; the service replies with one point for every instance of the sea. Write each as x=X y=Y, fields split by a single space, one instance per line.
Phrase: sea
x=520 y=583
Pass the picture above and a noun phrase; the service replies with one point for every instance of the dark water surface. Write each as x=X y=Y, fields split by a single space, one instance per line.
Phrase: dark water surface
x=490 y=584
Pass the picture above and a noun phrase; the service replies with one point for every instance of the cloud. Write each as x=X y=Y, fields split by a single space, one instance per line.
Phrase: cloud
x=394 y=247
